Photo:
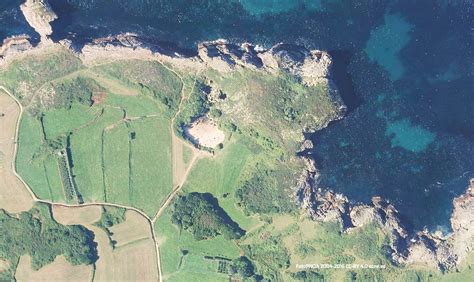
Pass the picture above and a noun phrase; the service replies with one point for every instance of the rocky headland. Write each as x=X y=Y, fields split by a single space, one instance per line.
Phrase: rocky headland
x=312 y=67
x=38 y=14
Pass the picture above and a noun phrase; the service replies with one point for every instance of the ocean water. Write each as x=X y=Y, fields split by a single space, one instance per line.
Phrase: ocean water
x=12 y=21
x=404 y=68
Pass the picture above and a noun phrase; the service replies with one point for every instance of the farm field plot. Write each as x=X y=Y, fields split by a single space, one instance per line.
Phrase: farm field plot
x=133 y=258
x=133 y=229
x=136 y=261
x=14 y=196
x=59 y=270
x=151 y=174
x=220 y=176
x=62 y=121
x=116 y=158
x=182 y=153
x=77 y=215
x=28 y=165
x=37 y=165
x=176 y=246
x=136 y=106
x=86 y=151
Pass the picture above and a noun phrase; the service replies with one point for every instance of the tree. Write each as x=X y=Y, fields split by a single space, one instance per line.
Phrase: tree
x=243 y=266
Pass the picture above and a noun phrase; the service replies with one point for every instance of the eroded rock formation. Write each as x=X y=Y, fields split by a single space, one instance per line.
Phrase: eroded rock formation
x=38 y=14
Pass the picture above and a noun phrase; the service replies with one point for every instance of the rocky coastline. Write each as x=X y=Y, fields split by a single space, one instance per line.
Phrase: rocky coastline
x=311 y=66
x=445 y=253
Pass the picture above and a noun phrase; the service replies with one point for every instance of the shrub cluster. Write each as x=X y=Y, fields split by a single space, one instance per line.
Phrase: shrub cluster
x=200 y=214
x=264 y=193
x=79 y=90
x=37 y=234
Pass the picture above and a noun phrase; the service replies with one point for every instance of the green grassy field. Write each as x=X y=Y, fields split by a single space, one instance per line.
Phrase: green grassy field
x=151 y=176
x=61 y=121
x=136 y=106
x=176 y=266
x=56 y=188
x=86 y=150
x=116 y=157
x=28 y=164
x=220 y=177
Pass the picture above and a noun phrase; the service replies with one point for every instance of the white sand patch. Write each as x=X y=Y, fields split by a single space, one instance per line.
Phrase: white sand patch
x=205 y=132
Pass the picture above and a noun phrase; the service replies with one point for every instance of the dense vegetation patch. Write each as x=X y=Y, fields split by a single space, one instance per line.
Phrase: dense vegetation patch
x=200 y=214
x=271 y=256
x=265 y=192
x=196 y=105
x=24 y=77
x=243 y=266
x=307 y=276
x=79 y=89
x=37 y=234
x=111 y=216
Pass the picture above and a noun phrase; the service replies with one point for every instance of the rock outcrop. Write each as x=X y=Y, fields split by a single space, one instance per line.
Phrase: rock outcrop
x=14 y=45
x=447 y=252
x=312 y=66
x=444 y=253
x=38 y=14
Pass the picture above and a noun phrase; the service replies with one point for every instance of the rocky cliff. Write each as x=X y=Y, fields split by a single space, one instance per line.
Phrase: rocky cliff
x=444 y=253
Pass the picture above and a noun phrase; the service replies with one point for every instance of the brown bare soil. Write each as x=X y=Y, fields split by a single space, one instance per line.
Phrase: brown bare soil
x=59 y=270
x=4 y=265
x=14 y=196
x=132 y=262
x=206 y=133
x=134 y=228
x=77 y=215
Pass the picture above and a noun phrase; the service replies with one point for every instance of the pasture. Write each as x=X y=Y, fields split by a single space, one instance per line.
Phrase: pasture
x=151 y=174
x=93 y=134
x=221 y=175
x=30 y=160
x=182 y=257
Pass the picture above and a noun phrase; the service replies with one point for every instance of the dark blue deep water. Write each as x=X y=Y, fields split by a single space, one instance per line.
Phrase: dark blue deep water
x=405 y=69
x=12 y=21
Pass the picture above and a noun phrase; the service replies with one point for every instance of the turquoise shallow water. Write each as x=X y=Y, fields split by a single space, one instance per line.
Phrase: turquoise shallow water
x=404 y=68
